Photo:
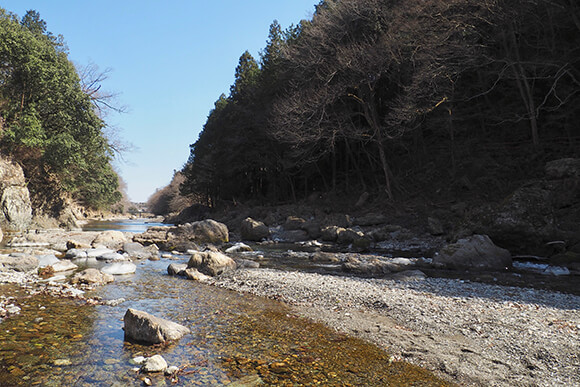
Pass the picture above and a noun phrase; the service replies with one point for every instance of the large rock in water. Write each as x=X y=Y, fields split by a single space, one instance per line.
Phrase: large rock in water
x=253 y=230
x=204 y=231
x=144 y=327
x=211 y=262
x=120 y=268
x=92 y=276
x=15 y=208
x=21 y=262
x=111 y=239
x=476 y=252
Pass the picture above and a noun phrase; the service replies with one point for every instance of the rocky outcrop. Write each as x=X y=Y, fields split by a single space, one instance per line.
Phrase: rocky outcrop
x=211 y=262
x=253 y=230
x=15 y=208
x=186 y=236
x=144 y=327
x=477 y=252
x=110 y=239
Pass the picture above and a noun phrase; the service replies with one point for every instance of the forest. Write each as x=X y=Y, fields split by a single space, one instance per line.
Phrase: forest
x=397 y=98
x=51 y=118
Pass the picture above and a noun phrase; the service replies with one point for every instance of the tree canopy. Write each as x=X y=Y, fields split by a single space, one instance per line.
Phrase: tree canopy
x=48 y=122
x=376 y=95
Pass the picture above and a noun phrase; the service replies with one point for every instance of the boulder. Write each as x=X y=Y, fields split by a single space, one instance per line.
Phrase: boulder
x=253 y=230
x=371 y=219
x=477 y=252
x=176 y=269
x=313 y=229
x=290 y=236
x=61 y=266
x=15 y=207
x=92 y=276
x=46 y=260
x=211 y=263
x=320 y=256
x=110 y=239
x=144 y=327
x=22 y=263
x=154 y=235
x=194 y=274
x=99 y=251
x=120 y=268
x=204 y=231
x=354 y=237
x=294 y=223
x=330 y=233
x=154 y=363
x=563 y=168
x=238 y=248
x=111 y=257
x=138 y=251
x=76 y=254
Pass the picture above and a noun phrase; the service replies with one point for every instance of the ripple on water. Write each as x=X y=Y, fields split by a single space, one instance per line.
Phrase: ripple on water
x=61 y=342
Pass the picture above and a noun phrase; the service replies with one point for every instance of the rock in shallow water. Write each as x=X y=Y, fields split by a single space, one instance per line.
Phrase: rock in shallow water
x=144 y=327
x=120 y=268
x=154 y=364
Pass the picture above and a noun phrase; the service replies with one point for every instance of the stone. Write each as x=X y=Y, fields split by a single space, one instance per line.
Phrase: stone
x=247 y=381
x=211 y=263
x=371 y=219
x=46 y=260
x=291 y=236
x=247 y=264
x=330 y=233
x=154 y=363
x=354 y=237
x=253 y=230
x=99 y=251
x=61 y=266
x=371 y=265
x=154 y=235
x=238 y=248
x=111 y=239
x=92 y=276
x=111 y=257
x=194 y=274
x=72 y=244
x=136 y=250
x=176 y=269
x=144 y=327
x=435 y=226
x=21 y=263
x=556 y=270
x=409 y=275
x=477 y=252
x=294 y=223
x=76 y=254
x=204 y=231
x=320 y=256
x=171 y=370
x=120 y=268
x=563 y=168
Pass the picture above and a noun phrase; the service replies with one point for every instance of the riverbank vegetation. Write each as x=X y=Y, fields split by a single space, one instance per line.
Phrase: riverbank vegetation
x=50 y=120
x=422 y=98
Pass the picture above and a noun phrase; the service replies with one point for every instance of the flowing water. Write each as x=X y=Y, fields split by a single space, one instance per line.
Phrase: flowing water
x=61 y=342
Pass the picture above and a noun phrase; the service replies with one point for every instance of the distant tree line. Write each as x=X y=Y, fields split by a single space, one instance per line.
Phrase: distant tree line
x=374 y=94
x=49 y=122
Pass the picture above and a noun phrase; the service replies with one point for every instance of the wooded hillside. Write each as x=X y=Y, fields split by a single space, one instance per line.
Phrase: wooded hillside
x=402 y=98
x=48 y=120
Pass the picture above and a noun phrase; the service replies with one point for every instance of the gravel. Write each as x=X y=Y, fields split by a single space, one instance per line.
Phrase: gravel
x=466 y=332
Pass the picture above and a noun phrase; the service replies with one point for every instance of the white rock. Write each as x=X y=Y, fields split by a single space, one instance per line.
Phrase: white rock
x=95 y=253
x=61 y=266
x=46 y=260
x=154 y=364
x=120 y=268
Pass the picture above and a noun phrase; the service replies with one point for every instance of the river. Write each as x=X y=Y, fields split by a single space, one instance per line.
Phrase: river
x=235 y=337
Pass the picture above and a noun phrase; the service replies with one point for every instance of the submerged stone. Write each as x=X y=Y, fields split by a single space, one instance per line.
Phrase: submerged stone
x=144 y=327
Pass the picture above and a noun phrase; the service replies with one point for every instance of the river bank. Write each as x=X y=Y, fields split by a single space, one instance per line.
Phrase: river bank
x=470 y=333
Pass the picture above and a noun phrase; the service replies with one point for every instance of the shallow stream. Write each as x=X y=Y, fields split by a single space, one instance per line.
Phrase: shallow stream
x=61 y=342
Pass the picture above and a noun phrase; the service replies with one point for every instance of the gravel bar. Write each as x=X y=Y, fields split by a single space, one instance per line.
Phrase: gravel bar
x=469 y=333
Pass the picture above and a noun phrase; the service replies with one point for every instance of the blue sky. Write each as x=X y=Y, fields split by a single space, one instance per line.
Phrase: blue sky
x=170 y=61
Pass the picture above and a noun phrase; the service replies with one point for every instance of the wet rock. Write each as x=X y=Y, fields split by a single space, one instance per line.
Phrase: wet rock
x=92 y=276
x=477 y=252
x=120 y=268
x=176 y=268
x=21 y=263
x=144 y=327
x=154 y=364
x=61 y=266
x=253 y=230
x=110 y=239
x=238 y=248
x=211 y=263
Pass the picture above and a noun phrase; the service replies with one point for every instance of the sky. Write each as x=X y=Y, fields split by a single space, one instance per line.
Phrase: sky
x=170 y=61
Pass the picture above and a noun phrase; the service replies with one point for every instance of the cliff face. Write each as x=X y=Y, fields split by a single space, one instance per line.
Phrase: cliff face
x=15 y=207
